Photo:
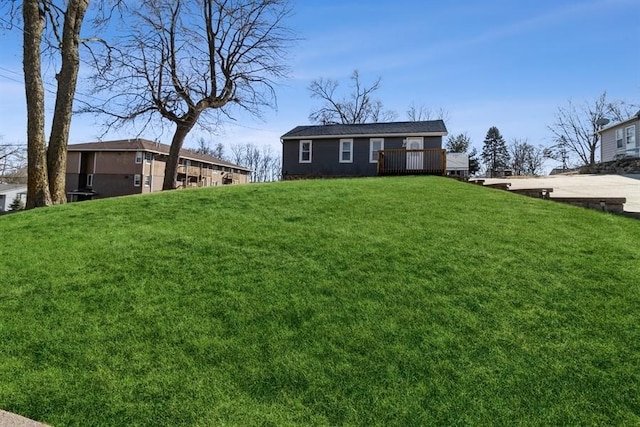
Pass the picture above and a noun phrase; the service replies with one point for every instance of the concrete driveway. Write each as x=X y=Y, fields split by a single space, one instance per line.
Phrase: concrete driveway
x=8 y=419
x=583 y=186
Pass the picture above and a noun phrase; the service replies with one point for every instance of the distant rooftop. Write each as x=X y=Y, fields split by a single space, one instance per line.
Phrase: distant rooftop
x=422 y=128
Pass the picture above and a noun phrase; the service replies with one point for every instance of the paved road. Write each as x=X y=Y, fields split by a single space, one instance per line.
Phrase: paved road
x=584 y=186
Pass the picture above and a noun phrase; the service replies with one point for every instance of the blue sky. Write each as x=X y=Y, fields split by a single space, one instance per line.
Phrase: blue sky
x=502 y=63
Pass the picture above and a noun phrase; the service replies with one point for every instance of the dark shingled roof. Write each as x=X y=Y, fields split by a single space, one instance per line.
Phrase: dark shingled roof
x=146 y=145
x=434 y=127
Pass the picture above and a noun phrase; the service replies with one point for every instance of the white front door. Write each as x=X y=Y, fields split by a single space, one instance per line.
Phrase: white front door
x=415 y=160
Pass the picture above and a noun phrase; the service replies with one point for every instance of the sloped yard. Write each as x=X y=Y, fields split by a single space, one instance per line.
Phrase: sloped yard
x=385 y=301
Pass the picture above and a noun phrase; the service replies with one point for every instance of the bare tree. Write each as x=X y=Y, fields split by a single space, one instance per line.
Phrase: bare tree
x=13 y=162
x=525 y=159
x=218 y=151
x=576 y=126
x=358 y=106
x=184 y=61
x=264 y=164
x=420 y=113
x=204 y=147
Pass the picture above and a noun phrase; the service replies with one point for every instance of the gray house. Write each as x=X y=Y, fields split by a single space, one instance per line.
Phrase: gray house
x=10 y=192
x=621 y=140
x=369 y=149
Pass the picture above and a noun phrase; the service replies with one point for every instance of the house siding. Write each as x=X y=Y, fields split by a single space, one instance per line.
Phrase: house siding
x=7 y=197
x=325 y=154
x=608 y=147
x=112 y=185
x=112 y=172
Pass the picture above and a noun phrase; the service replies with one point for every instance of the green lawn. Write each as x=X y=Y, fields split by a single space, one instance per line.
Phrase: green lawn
x=395 y=301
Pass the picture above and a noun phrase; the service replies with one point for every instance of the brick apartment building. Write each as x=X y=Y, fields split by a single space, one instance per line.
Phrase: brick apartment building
x=98 y=170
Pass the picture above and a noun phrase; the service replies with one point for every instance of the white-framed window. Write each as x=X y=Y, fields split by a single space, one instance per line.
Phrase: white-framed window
x=147 y=181
x=90 y=180
x=305 y=151
x=619 y=138
x=136 y=180
x=346 y=151
x=138 y=157
x=148 y=156
x=630 y=133
x=375 y=145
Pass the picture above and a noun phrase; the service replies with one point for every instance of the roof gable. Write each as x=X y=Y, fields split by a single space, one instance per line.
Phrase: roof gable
x=430 y=127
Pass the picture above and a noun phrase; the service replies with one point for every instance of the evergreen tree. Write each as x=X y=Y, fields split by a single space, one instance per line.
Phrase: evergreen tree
x=494 y=153
x=17 y=204
x=474 y=162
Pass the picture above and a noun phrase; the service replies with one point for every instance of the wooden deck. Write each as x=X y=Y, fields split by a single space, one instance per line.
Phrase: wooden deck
x=429 y=161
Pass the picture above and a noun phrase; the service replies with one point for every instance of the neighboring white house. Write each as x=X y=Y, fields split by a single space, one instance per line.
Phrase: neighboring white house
x=621 y=140
x=9 y=192
x=458 y=164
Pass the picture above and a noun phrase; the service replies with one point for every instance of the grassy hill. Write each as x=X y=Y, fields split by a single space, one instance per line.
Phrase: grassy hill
x=399 y=301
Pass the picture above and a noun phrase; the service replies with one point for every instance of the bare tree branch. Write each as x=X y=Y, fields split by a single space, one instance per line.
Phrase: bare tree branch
x=419 y=113
x=264 y=164
x=188 y=62
x=575 y=127
x=357 y=107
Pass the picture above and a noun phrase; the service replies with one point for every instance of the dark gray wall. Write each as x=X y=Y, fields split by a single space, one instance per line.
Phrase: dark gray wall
x=112 y=185
x=325 y=156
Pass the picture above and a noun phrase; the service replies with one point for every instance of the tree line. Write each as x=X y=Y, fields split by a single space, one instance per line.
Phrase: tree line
x=265 y=165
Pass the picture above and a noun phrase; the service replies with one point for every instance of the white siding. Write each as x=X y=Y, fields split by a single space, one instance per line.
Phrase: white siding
x=9 y=197
x=608 y=145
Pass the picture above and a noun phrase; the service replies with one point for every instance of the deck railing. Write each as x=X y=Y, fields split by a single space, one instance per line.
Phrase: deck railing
x=428 y=161
x=189 y=170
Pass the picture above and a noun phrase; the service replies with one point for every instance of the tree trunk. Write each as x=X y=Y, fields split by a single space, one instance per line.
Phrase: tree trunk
x=37 y=187
x=171 y=168
x=67 y=79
